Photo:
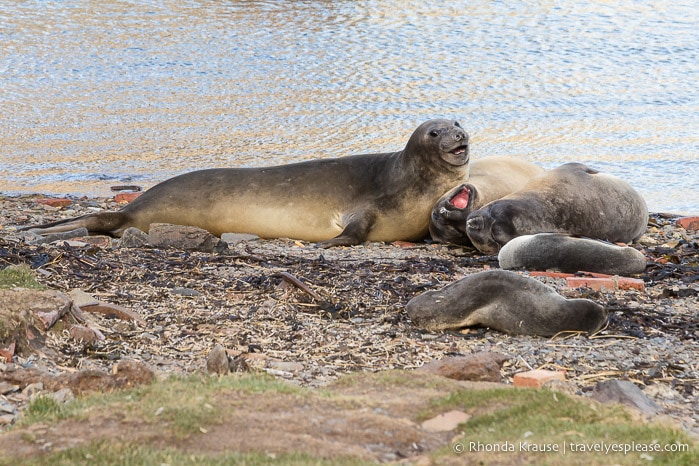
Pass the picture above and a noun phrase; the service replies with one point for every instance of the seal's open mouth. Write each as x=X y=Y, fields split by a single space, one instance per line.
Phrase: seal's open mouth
x=460 y=199
x=461 y=150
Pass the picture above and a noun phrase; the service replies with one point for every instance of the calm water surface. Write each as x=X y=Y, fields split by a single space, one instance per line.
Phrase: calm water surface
x=95 y=94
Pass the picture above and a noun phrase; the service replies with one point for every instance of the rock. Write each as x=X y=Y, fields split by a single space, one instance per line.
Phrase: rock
x=235 y=238
x=217 y=362
x=626 y=393
x=99 y=241
x=80 y=298
x=63 y=236
x=482 y=366
x=445 y=422
x=285 y=366
x=536 y=378
x=129 y=373
x=164 y=235
x=133 y=238
x=185 y=291
x=688 y=223
x=7 y=351
x=63 y=395
x=6 y=388
x=85 y=334
x=113 y=311
x=26 y=314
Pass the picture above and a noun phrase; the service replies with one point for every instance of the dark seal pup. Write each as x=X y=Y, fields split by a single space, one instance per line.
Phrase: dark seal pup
x=572 y=199
x=342 y=201
x=554 y=251
x=504 y=301
x=491 y=178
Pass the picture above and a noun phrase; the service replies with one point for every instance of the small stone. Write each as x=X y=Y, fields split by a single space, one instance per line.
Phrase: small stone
x=536 y=378
x=33 y=389
x=185 y=291
x=133 y=238
x=688 y=223
x=445 y=422
x=81 y=298
x=6 y=388
x=235 y=238
x=626 y=393
x=217 y=362
x=85 y=334
x=285 y=366
x=63 y=395
x=482 y=366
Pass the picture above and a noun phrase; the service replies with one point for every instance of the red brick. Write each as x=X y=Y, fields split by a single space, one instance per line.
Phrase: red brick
x=55 y=202
x=608 y=282
x=125 y=198
x=588 y=282
x=551 y=274
x=688 y=223
x=626 y=283
x=537 y=377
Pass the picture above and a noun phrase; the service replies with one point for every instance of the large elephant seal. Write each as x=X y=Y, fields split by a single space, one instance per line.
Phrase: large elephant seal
x=504 y=301
x=491 y=178
x=563 y=253
x=342 y=201
x=572 y=199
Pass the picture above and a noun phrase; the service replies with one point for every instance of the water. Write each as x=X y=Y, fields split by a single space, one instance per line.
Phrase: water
x=95 y=94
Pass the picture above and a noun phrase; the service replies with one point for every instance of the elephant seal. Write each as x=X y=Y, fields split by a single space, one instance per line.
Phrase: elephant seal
x=341 y=201
x=504 y=301
x=491 y=178
x=563 y=253
x=572 y=199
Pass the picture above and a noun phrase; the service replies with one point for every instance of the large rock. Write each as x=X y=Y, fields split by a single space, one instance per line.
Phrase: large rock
x=164 y=235
x=626 y=393
x=25 y=315
x=483 y=367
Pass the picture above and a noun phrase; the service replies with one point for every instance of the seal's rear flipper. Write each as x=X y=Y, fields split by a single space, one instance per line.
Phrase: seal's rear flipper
x=102 y=222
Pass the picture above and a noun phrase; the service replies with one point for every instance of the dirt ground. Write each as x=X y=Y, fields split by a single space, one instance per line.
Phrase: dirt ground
x=347 y=315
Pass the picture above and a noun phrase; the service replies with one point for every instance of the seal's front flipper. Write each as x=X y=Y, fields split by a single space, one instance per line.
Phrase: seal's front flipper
x=355 y=232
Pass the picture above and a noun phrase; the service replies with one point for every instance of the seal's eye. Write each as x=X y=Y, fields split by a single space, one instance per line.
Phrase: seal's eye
x=434 y=133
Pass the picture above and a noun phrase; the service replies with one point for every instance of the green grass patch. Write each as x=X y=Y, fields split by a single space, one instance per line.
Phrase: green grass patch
x=120 y=454
x=545 y=427
x=184 y=403
x=19 y=276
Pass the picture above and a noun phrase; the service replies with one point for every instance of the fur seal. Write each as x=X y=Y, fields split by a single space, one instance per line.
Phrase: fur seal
x=504 y=301
x=563 y=253
x=491 y=178
x=572 y=199
x=336 y=202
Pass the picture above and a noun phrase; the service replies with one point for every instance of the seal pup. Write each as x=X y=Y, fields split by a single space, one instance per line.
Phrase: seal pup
x=572 y=199
x=504 y=301
x=563 y=253
x=491 y=178
x=336 y=202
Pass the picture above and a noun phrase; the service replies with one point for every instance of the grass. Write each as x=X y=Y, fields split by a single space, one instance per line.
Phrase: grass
x=526 y=419
x=19 y=276
x=181 y=407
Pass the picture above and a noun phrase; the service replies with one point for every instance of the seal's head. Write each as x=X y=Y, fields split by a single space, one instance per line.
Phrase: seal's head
x=448 y=218
x=443 y=137
x=492 y=226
